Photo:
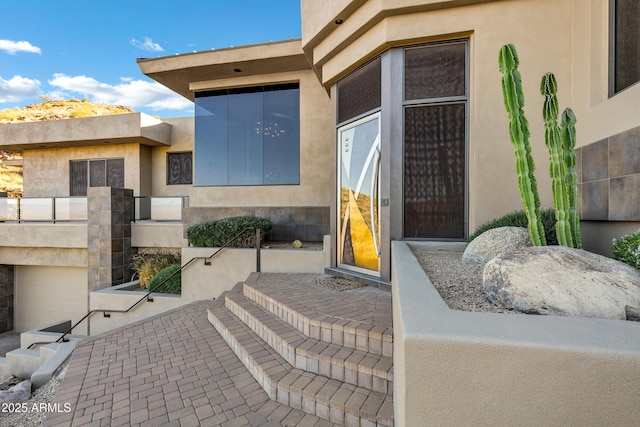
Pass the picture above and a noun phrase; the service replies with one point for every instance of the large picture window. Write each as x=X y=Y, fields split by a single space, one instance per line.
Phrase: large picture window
x=95 y=173
x=625 y=44
x=248 y=136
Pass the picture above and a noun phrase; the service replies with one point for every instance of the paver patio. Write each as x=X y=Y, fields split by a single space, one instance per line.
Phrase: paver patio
x=174 y=369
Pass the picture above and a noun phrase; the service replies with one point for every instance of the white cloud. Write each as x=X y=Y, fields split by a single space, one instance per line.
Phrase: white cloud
x=147 y=44
x=131 y=93
x=18 y=88
x=12 y=47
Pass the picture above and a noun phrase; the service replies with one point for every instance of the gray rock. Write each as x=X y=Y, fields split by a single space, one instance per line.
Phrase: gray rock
x=495 y=242
x=562 y=281
x=20 y=392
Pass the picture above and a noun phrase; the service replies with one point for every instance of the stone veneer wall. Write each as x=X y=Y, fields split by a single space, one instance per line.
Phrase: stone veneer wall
x=305 y=223
x=110 y=212
x=609 y=178
x=6 y=297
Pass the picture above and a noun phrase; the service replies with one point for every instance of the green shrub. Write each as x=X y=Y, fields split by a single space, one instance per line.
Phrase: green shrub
x=519 y=219
x=173 y=285
x=211 y=234
x=148 y=264
x=627 y=249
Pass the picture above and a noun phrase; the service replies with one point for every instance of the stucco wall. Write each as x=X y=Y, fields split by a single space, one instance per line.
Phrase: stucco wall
x=462 y=368
x=316 y=151
x=46 y=170
x=115 y=299
x=569 y=38
x=45 y=295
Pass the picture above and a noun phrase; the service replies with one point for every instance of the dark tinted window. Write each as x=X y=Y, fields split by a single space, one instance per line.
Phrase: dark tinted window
x=179 y=168
x=626 y=43
x=434 y=171
x=95 y=173
x=248 y=136
x=435 y=71
x=360 y=91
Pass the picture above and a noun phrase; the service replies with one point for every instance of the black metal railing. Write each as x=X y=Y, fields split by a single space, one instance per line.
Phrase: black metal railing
x=147 y=296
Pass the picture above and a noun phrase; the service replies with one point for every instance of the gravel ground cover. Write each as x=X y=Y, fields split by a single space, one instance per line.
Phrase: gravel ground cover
x=33 y=412
x=458 y=282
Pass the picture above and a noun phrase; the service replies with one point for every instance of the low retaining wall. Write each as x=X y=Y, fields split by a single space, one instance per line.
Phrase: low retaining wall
x=232 y=265
x=118 y=298
x=462 y=368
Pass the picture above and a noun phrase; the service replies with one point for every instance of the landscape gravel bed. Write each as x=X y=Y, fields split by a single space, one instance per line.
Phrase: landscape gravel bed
x=458 y=282
x=35 y=413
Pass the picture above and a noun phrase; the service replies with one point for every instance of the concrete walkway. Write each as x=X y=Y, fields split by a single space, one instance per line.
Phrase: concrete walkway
x=170 y=370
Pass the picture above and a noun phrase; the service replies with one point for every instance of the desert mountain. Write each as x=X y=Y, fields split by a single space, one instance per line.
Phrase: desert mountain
x=48 y=109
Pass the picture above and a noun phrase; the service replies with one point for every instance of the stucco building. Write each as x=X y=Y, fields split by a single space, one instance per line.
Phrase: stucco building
x=384 y=122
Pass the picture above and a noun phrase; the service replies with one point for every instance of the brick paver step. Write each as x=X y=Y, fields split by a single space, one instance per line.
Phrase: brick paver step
x=353 y=366
x=345 y=319
x=326 y=398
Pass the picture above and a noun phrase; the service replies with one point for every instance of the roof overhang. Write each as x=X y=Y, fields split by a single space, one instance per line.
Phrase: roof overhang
x=113 y=129
x=180 y=71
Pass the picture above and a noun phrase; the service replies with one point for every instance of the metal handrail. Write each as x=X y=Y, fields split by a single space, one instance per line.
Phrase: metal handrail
x=207 y=261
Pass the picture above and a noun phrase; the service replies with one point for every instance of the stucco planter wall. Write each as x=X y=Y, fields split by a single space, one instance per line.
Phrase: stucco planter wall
x=462 y=368
x=121 y=297
x=232 y=265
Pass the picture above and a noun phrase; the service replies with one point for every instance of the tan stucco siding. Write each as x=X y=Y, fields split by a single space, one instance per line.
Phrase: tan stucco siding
x=566 y=37
x=45 y=295
x=316 y=152
x=46 y=171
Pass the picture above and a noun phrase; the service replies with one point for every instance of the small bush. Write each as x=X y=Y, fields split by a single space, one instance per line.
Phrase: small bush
x=519 y=219
x=211 y=234
x=148 y=264
x=173 y=285
x=627 y=249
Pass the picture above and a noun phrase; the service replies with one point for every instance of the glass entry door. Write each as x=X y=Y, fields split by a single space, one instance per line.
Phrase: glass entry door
x=358 y=174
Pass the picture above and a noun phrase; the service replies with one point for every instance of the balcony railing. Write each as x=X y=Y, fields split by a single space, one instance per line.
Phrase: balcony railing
x=160 y=208
x=67 y=209
x=43 y=209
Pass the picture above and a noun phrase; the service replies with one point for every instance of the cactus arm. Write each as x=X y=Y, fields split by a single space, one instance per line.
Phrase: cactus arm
x=557 y=166
x=568 y=145
x=519 y=134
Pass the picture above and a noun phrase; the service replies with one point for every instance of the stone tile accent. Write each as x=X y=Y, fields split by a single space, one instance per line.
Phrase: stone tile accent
x=609 y=178
x=110 y=212
x=305 y=223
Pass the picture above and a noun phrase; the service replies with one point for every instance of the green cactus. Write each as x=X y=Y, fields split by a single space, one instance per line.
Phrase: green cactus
x=557 y=167
x=519 y=133
x=568 y=146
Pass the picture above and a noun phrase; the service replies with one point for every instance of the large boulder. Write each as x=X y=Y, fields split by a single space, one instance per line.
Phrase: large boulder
x=495 y=242
x=562 y=281
x=20 y=392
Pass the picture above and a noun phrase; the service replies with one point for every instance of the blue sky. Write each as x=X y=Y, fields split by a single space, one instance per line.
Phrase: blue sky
x=75 y=49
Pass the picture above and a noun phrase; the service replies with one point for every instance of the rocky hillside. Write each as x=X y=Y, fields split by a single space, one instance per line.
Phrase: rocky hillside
x=48 y=109
x=56 y=109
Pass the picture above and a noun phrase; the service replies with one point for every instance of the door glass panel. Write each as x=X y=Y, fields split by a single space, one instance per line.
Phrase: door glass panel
x=360 y=91
x=434 y=171
x=435 y=71
x=357 y=182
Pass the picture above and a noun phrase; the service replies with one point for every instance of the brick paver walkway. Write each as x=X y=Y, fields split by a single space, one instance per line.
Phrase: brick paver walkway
x=173 y=369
